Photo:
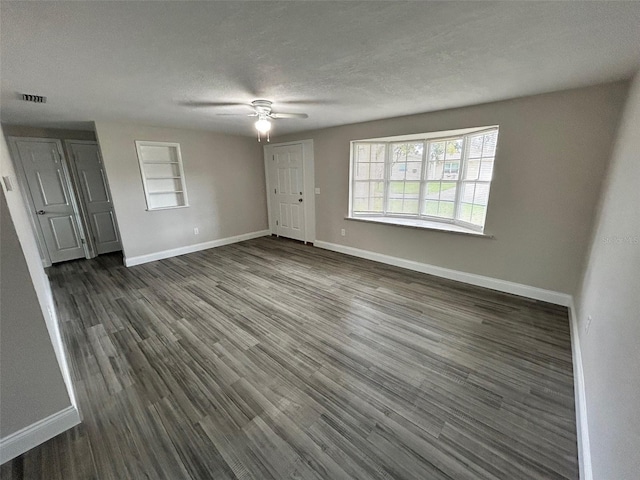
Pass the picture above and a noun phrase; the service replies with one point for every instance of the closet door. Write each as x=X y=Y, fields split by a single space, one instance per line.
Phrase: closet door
x=49 y=187
x=95 y=193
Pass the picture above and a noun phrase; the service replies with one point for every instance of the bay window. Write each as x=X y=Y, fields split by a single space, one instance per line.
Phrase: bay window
x=443 y=178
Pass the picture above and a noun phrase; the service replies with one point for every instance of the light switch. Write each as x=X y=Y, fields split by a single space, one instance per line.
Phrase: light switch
x=8 y=184
x=317 y=191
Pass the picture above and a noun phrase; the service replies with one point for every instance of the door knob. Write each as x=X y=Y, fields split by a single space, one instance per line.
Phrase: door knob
x=41 y=212
x=300 y=200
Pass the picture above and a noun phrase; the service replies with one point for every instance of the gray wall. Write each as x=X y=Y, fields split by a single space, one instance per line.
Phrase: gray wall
x=31 y=385
x=610 y=294
x=225 y=184
x=552 y=154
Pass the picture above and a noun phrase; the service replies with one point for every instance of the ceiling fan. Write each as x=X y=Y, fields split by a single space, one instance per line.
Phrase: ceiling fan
x=262 y=110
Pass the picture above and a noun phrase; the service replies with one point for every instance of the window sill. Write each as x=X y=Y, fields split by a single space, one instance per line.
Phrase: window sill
x=422 y=224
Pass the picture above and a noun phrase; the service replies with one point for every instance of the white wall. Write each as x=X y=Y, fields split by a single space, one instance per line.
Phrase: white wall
x=31 y=385
x=610 y=294
x=552 y=154
x=25 y=353
x=225 y=184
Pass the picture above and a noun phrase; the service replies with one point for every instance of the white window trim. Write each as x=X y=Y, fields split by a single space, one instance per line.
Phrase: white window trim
x=141 y=163
x=421 y=220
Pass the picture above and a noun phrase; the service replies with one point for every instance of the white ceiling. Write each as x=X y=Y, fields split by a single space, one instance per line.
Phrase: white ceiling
x=351 y=61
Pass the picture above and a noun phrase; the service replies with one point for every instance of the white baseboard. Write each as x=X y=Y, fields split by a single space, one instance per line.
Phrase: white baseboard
x=174 y=252
x=29 y=437
x=582 y=425
x=536 y=293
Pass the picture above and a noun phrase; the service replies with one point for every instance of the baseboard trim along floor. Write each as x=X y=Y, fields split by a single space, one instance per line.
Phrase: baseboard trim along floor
x=174 y=252
x=33 y=435
x=505 y=286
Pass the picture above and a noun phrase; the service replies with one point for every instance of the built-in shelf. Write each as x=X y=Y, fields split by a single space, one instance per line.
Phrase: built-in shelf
x=152 y=167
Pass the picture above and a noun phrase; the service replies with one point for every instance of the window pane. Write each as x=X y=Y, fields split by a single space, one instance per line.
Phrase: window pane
x=440 y=199
x=406 y=161
x=396 y=188
x=363 y=152
x=411 y=189
x=398 y=170
x=475 y=146
x=478 y=215
x=410 y=207
x=489 y=148
x=453 y=149
x=435 y=170
x=360 y=204
x=376 y=189
x=474 y=207
x=433 y=190
x=414 y=170
x=473 y=168
x=436 y=151
x=481 y=195
x=362 y=171
x=377 y=171
x=362 y=189
x=404 y=197
x=465 y=212
x=486 y=170
x=395 y=205
x=439 y=209
x=450 y=170
x=377 y=152
x=468 y=190
x=441 y=190
x=376 y=204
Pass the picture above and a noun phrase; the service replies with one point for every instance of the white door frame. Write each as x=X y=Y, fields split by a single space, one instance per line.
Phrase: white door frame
x=308 y=183
x=28 y=201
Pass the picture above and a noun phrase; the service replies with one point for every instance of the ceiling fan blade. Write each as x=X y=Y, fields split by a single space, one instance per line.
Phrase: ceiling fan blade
x=289 y=115
x=237 y=114
x=307 y=102
x=212 y=104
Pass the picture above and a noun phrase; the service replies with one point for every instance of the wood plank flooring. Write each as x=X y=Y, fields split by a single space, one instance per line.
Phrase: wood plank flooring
x=269 y=359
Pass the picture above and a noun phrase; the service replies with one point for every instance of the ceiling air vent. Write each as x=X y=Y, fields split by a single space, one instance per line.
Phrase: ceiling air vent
x=34 y=98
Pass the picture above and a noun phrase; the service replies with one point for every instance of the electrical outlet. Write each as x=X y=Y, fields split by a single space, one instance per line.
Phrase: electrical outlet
x=588 y=325
x=343 y=232
x=196 y=230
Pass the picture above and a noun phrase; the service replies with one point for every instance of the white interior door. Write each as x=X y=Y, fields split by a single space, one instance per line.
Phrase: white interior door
x=95 y=194
x=52 y=198
x=288 y=191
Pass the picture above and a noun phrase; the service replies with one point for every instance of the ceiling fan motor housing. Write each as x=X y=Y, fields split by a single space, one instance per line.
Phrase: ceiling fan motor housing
x=263 y=107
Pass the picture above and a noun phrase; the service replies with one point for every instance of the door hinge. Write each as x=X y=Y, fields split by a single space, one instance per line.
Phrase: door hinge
x=277 y=223
x=83 y=241
x=275 y=190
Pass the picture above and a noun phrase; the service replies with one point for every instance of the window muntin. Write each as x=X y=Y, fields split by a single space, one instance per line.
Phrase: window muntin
x=436 y=179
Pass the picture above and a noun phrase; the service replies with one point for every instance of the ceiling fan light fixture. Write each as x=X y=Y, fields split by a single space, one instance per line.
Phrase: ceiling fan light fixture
x=263 y=125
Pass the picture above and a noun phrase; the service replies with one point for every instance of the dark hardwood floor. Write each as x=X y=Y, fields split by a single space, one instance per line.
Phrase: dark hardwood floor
x=269 y=359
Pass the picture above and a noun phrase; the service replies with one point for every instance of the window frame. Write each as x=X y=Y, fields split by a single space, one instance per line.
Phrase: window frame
x=145 y=178
x=425 y=139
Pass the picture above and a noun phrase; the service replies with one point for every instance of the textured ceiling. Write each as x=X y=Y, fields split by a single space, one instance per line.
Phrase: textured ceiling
x=340 y=62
